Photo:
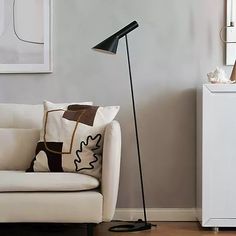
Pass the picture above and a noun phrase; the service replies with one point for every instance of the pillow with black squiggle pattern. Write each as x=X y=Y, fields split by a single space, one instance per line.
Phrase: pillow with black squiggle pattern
x=71 y=139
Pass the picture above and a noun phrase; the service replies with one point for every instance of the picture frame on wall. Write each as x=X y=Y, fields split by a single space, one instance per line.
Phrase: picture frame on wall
x=230 y=34
x=26 y=36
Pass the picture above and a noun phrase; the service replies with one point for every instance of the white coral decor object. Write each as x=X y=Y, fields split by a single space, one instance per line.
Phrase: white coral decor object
x=218 y=76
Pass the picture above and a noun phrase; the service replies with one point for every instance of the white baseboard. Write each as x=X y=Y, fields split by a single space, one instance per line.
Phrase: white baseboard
x=156 y=214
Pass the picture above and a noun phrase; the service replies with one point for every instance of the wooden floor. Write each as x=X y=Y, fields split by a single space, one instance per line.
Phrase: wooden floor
x=169 y=229
x=162 y=229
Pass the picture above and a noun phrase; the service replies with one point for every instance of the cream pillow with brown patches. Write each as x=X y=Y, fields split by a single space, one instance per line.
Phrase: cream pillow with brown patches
x=71 y=139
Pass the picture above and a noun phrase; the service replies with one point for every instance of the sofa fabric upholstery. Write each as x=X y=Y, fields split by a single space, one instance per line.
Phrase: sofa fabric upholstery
x=17 y=147
x=22 y=116
x=25 y=116
x=111 y=161
x=54 y=204
x=63 y=207
x=20 y=181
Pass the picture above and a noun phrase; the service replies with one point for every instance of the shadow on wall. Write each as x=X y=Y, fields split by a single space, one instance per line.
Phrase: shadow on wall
x=167 y=140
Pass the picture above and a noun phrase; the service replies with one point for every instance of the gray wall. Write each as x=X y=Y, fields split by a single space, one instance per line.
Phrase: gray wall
x=176 y=44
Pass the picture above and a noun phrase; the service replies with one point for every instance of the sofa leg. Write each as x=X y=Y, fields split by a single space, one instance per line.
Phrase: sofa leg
x=90 y=229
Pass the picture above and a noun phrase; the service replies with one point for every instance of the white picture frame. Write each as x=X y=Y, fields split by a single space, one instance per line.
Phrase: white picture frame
x=230 y=33
x=20 y=55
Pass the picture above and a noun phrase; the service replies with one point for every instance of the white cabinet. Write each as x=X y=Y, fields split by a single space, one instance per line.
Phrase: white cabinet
x=216 y=155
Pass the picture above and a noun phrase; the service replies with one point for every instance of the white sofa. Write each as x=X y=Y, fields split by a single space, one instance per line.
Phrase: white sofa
x=51 y=197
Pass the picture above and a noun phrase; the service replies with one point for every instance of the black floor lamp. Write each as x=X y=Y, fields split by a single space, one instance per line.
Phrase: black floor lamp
x=109 y=45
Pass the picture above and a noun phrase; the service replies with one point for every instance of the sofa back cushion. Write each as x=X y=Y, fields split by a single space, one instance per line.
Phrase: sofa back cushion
x=25 y=116
x=19 y=133
x=17 y=147
x=21 y=116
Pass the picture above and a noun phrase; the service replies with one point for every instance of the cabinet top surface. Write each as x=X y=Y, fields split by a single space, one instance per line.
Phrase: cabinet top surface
x=221 y=88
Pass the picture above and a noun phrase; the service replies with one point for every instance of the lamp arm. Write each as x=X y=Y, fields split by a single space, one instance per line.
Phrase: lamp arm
x=128 y=28
x=136 y=131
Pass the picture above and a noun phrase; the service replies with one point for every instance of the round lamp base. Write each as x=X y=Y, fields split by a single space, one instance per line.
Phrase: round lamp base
x=136 y=226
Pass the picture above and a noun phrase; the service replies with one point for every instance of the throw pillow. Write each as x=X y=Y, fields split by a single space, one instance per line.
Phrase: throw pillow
x=71 y=139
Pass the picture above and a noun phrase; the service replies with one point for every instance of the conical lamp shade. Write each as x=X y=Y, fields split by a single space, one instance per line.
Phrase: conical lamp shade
x=109 y=45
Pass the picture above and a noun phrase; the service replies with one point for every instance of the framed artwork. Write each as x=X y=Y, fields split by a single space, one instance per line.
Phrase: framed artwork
x=25 y=36
x=230 y=33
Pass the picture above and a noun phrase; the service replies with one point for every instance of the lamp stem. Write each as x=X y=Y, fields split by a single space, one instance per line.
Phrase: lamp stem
x=136 y=131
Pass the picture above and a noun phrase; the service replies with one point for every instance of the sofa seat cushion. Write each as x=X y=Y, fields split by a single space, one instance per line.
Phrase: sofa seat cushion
x=20 y=181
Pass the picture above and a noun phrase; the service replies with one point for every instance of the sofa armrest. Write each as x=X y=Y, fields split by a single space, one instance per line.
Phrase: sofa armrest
x=111 y=169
